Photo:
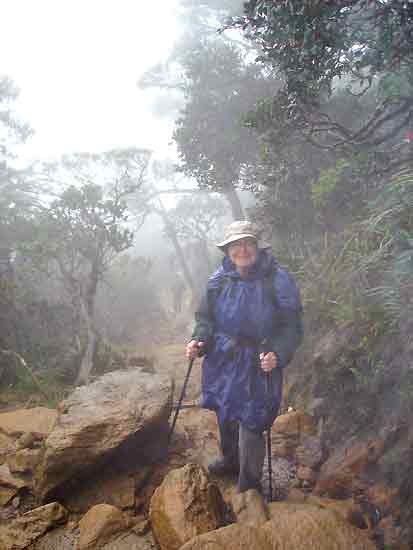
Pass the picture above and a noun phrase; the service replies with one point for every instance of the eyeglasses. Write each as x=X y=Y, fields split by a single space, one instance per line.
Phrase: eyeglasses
x=243 y=243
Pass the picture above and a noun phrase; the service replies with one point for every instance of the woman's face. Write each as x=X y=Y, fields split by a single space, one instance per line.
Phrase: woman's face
x=243 y=253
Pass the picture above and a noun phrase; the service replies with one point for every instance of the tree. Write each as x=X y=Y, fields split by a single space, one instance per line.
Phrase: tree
x=15 y=192
x=16 y=199
x=318 y=47
x=214 y=145
x=84 y=229
x=196 y=221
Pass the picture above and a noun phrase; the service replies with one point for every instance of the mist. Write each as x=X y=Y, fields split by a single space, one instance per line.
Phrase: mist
x=129 y=140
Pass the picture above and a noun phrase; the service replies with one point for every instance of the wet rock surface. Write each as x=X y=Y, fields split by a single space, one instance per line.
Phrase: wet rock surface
x=134 y=482
x=122 y=414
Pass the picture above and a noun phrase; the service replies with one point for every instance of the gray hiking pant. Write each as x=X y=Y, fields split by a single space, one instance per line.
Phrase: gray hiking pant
x=246 y=448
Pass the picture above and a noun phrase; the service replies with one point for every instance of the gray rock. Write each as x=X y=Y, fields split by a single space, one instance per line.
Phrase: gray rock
x=120 y=417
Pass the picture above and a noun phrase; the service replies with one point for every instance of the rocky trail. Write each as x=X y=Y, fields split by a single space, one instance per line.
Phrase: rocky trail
x=97 y=473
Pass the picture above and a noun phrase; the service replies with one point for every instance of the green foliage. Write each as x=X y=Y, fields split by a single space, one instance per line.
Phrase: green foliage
x=327 y=183
x=325 y=49
x=391 y=223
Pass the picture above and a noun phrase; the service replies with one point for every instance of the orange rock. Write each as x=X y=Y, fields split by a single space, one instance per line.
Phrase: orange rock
x=347 y=462
x=295 y=422
x=306 y=474
x=384 y=498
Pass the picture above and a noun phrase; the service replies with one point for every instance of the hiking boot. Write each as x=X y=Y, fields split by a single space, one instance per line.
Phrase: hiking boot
x=222 y=467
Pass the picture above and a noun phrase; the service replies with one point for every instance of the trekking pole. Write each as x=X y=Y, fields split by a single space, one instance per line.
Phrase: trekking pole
x=268 y=388
x=178 y=407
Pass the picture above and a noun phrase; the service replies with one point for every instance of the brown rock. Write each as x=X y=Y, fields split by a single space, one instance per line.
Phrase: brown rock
x=185 y=505
x=295 y=526
x=39 y=421
x=296 y=495
x=384 y=498
x=6 y=495
x=24 y=460
x=295 y=422
x=8 y=480
x=342 y=507
x=99 y=524
x=391 y=533
x=309 y=452
x=6 y=446
x=249 y=508
x=27 y=441
x=109 y=487
x=304 y=473
x=120 y=416
x=347 y=462
x=305 y=527
x=233 y=537
x=26 y=529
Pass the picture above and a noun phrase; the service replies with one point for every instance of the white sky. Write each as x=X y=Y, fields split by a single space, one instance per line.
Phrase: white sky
x=77 y=63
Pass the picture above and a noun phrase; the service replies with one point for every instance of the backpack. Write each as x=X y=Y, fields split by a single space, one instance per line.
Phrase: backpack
x=288 y=296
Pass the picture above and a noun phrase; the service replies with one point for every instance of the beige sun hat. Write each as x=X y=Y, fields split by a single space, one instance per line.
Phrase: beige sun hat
x=239 y=230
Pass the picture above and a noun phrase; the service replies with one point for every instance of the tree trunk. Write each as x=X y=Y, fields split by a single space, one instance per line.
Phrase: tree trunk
x=86 y=364
x=87 y=308
x=178 y=250
x=232 y=196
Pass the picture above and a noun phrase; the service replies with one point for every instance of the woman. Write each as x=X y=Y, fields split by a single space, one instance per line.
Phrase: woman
x=249 y=326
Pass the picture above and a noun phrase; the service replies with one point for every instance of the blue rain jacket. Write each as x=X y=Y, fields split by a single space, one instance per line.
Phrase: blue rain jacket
x=236 y=316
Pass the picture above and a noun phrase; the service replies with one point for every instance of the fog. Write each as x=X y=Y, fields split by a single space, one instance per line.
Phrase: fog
x=129 y=140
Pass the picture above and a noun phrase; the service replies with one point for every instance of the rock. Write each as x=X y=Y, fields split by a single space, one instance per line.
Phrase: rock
x=130 y=541
x=309 y=452
x=27 y=441
x=295 y=526
x=303 y=527
x=304 y=473
x=24 y=460
x=384 y=498
x=121 y=417
x=7 y=479
x=295 y=423
x=15 y=502
x=23 y=531
x=61 y=538
x=389 y=533
x=337 y=474
x=185 y=505
x=7 y=494
x=6 y=446
x=296 y=495
x=233 y=537
x=99 y=524
x=343 y=508
x=249 y=508
x=108 y=487
x=283 y=476
x=38 y=421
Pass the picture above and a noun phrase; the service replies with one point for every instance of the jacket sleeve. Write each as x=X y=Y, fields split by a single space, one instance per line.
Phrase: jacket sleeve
x=288 y=331
x=288 y=335
x=204 y=324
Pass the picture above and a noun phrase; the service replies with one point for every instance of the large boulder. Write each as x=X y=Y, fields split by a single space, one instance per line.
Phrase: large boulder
x=185 y=505
x=294 y=526
x=38 y=421
x=122 y=418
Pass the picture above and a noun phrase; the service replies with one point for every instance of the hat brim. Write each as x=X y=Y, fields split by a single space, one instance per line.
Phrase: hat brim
x=260 y=244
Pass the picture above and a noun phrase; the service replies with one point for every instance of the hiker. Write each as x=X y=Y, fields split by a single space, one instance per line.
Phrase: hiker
x=248 y=324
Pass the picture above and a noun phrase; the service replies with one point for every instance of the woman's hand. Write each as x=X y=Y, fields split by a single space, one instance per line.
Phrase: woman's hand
x=193 y=349
x=269 y=361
